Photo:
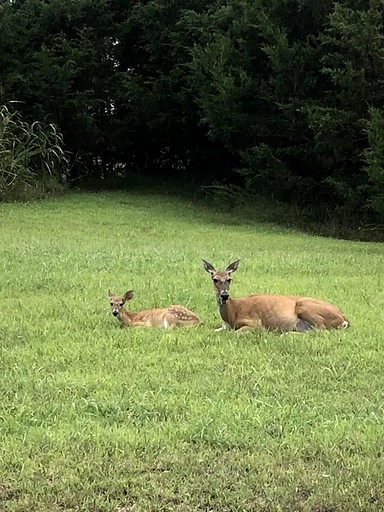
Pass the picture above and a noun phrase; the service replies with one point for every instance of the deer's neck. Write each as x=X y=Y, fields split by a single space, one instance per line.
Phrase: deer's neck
x=126 y=317
x=226 y=310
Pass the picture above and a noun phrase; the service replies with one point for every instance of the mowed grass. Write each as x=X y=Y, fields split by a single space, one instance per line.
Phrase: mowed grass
x=98 y=418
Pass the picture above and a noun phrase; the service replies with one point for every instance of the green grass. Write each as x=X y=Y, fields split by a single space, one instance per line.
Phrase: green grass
x=98 y=418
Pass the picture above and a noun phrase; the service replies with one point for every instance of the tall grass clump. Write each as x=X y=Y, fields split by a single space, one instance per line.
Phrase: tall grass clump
x=33 y=162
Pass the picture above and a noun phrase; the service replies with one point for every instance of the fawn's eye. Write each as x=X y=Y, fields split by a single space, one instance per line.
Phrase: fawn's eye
x=229 y=281
x=121 y=304
x=111 y=303
x=216 y=281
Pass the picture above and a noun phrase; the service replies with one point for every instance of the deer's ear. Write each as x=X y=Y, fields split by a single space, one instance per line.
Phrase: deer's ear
x=209 y=267
x=233 y=266
x=128 y=295
x=110 y=293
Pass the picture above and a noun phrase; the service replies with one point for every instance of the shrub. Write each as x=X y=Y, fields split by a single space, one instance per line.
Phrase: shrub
x=33 y=162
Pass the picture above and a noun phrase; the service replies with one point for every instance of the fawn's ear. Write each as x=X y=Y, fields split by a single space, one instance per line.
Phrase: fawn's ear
x=110 y=294
x=233 y=267
x=128 y=295
x=209 y=267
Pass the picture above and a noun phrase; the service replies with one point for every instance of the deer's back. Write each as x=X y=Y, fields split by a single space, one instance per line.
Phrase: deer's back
x=283 y=312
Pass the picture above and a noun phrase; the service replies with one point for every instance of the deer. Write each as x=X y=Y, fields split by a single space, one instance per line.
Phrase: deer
x=284 y=313
x=169 y=317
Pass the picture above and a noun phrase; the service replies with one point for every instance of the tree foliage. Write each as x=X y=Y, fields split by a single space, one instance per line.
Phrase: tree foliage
x=282 y=98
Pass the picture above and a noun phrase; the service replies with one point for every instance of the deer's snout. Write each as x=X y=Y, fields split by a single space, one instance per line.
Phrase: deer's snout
x=224 y=296
x=115 y=312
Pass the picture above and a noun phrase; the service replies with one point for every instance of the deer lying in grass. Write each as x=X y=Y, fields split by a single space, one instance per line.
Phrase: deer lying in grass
x=172 y=316
x=271 y=312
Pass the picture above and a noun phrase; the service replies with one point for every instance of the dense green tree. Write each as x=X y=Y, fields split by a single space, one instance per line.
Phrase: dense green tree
x=288 y=86
x=156 y=119
x=353 y=53
x=254 y=76
x=60 y=67
x=374 y=157
x=280 y=97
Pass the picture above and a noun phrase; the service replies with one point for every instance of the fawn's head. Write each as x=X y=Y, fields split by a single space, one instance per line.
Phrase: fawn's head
x=221 y=279
x=118 y=302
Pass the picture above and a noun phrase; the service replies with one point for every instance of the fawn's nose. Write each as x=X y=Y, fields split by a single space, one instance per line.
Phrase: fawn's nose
x=115 y=312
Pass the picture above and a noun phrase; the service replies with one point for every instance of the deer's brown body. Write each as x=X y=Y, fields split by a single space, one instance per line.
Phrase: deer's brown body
x=169 y=317
x=272 y=312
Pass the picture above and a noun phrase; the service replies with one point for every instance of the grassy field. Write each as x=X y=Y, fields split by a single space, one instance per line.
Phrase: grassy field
x=98 y=418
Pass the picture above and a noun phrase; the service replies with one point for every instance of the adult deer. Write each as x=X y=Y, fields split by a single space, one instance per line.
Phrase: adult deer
x=271 y=312
x=172 y=316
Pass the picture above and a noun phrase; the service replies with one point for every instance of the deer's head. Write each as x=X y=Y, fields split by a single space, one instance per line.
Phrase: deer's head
x=221 y=279
x=117 y=303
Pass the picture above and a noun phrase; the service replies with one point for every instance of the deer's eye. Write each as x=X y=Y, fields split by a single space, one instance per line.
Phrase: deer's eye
x=216 y=281
x=229 y=281
x=121 y=304
x=111 y=303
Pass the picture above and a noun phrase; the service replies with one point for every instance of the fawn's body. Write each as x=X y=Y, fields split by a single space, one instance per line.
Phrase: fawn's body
x=168 y=317
x=272 y=312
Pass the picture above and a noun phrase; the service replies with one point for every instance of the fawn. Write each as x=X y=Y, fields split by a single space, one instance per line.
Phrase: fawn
x=169 y=317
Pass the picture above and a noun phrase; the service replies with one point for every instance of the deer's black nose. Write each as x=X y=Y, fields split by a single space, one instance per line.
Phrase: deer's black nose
x=115 y=313
x=224 y=296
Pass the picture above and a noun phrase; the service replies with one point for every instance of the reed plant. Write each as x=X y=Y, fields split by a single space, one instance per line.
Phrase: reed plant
x=33 y=161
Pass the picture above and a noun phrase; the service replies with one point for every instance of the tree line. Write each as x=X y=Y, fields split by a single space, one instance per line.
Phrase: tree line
x=279 y=98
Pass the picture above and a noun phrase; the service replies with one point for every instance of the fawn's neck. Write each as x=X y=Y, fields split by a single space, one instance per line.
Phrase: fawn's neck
x=126 y=316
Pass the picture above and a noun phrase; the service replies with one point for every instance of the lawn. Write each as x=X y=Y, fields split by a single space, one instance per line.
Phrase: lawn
x=98 y=418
